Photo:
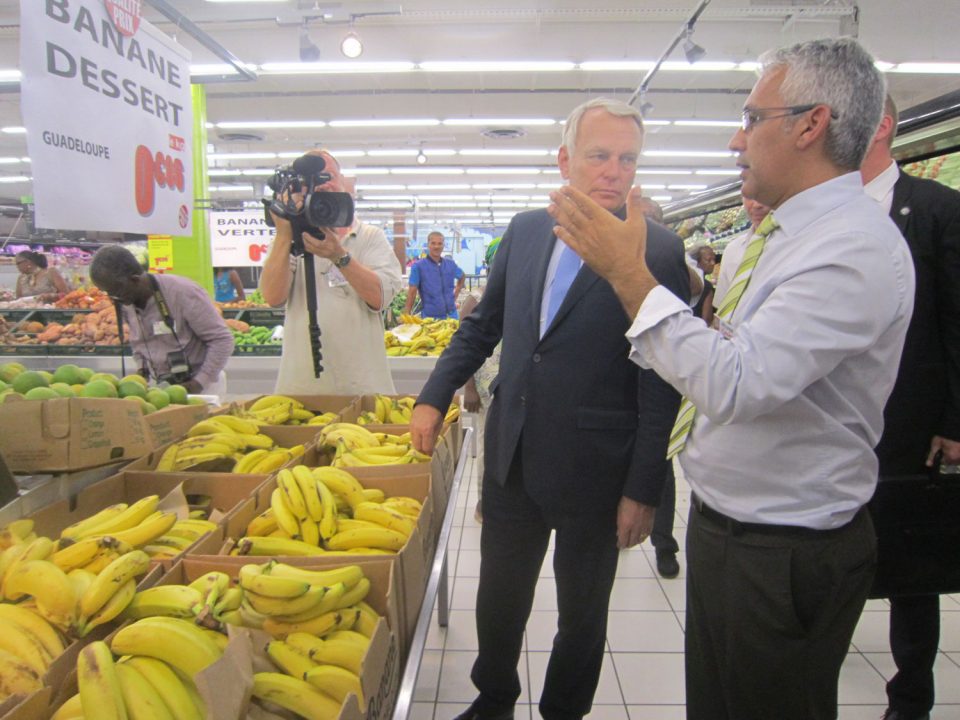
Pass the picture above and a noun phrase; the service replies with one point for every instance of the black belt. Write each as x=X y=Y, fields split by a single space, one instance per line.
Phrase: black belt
x=735 y=527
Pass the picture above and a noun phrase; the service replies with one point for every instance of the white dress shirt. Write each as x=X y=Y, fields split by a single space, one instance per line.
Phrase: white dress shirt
x=881 y=187
x=790 y=392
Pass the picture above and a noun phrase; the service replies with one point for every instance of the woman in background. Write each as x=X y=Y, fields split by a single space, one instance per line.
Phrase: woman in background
x=227 y=285
x=37 y=280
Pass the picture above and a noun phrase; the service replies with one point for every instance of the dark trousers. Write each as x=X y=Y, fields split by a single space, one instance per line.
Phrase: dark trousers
x=662 y=536
x=770 y=617
x=914 y=636
x=513 y=543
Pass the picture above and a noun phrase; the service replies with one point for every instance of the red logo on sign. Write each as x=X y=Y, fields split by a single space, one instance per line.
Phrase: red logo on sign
x=154 y=170
x=184 y=216
x=177 y=143
x=256 y=252
x=125 y=15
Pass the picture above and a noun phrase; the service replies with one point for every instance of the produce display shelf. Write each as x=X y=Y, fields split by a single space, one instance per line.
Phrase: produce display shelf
x=258 y=350
x=59 y=315
x=262 y=316
x=13 y=314
x=437 y=591
x=64 y=350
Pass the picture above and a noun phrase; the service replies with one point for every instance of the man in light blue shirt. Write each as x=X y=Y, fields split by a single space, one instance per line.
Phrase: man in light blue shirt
x=789 y=395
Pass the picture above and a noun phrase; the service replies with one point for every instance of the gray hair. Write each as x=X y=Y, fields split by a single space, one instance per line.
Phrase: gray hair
x=113 y=262
x=614 y=107
x=837 y=72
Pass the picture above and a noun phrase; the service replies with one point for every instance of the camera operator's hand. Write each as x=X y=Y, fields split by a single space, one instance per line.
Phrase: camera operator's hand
x=193 y=387
x=328 y=246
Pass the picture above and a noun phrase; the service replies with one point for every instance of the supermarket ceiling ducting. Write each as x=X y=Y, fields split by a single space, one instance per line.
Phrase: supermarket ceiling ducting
x=439 y=105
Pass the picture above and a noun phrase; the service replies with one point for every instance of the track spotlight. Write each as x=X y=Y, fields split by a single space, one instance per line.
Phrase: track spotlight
x=421 y=158
x=693 y=51
x=309 y=52
x=351 y=46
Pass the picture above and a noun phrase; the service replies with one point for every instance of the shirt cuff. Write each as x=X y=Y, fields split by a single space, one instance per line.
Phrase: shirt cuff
x=659 y=304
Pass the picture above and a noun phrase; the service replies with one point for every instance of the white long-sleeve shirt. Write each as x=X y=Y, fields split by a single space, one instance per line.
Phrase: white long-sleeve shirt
x=790 y=393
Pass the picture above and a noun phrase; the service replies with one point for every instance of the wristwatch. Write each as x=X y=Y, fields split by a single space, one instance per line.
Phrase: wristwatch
x=342 y=261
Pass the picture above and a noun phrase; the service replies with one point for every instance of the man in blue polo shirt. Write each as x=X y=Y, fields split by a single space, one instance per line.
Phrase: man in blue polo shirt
x=435 y=277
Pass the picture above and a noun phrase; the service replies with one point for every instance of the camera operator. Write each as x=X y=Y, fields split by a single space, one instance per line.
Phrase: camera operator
x=176 y=333
x=357 y=276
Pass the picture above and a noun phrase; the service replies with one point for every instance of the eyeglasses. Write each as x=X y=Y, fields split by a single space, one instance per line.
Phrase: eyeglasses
x=752 y=116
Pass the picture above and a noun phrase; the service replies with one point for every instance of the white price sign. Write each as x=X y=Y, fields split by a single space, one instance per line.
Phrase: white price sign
x=105 y=98
x=239 y=238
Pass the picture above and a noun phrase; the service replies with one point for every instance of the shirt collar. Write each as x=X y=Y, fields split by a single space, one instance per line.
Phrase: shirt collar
x=813 y=203
x=882 y=184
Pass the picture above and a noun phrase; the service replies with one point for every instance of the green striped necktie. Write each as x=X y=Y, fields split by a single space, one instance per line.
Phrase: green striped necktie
x=741 y=278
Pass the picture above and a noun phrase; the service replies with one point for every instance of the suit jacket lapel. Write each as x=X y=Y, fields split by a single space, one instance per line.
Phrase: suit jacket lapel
x=541 y=260
x=900 y=205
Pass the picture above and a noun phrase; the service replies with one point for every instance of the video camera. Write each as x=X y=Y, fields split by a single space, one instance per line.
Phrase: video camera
x=308 y=210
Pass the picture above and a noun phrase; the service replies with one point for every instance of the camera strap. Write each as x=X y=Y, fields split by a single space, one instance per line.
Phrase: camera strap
x=166 y=315
x=118 y=309
x=313 y=326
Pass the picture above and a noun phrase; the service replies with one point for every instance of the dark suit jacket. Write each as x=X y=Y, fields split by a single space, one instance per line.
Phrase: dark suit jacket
x=590 y=425
x=926 y=397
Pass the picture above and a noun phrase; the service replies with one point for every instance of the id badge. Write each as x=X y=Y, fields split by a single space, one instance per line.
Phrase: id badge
x=161 y=328
x=335 y=278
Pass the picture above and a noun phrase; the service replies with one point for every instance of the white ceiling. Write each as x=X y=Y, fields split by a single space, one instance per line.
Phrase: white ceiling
x=562 y=31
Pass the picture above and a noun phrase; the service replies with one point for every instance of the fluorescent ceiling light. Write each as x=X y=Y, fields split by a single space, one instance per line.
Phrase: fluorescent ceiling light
x=387 y=122
x=748 y=66
x=476 y=122
x=617 y=65
x=503 y=171
x=218 y=69
x=10 y=75
x=14 y=130
x=663 y=171
x=14 y=179
x=25 y=159
x=334 y=68
x=551 y=171
x=463 y=204
x=687 y=187
x=426 y=171
x=516 y=152
x=661 y=198
x=393 y=153
x=366 y=171
x=732 y=171
x=439 y=152
x=9 y=160
x=214 y=157
x=708 y=123
x=702 y=66
x=654 y=123
x=654 y=186
x=405 y=198
x=381 y=187
x=882 y=66
x=549 y=186
x=496 y=66
x=505 y=186
x=937 y=68
x=688 y=153
x=231 y=188
x=501 y=204
x=445 y=197
x=262 y=172
x=439 y=186
x=269 y=124
x=221 y=172
x=336 y=153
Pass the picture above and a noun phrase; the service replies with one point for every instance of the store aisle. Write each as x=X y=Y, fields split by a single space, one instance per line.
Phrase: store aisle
x=642 y=677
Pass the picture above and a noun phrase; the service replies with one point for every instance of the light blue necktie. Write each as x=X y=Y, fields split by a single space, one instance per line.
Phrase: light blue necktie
x=567 y=270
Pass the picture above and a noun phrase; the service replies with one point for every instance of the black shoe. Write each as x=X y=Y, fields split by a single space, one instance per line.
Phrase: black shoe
x=667 y=565
x=892 y=714
x=475 y=713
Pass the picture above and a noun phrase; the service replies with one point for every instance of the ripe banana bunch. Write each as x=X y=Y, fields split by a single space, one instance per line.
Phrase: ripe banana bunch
x=388 y=454
x=277 y=410
x=220 y=436
x=178 y=538
x=323 y=419
x=135 y=686
x=180 y=643
x=110 y=591
x=353 y=436
x=264 y=462
x=28 y=644
x=295 y=695
x=453 y=413
x=420 y=336
x=17 y=532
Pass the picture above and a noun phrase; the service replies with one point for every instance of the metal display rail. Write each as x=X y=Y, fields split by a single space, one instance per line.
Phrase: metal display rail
x=437 y=589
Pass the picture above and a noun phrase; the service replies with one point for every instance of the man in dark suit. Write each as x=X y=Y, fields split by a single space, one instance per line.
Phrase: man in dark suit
x=922 y=416
x=576 y=434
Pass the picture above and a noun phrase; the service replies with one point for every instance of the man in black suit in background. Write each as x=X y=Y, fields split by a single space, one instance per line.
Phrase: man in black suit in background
x=576 y=434
x=922 y=416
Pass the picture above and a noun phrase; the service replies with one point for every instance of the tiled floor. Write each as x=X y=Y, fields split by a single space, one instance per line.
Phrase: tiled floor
x=642 y=677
